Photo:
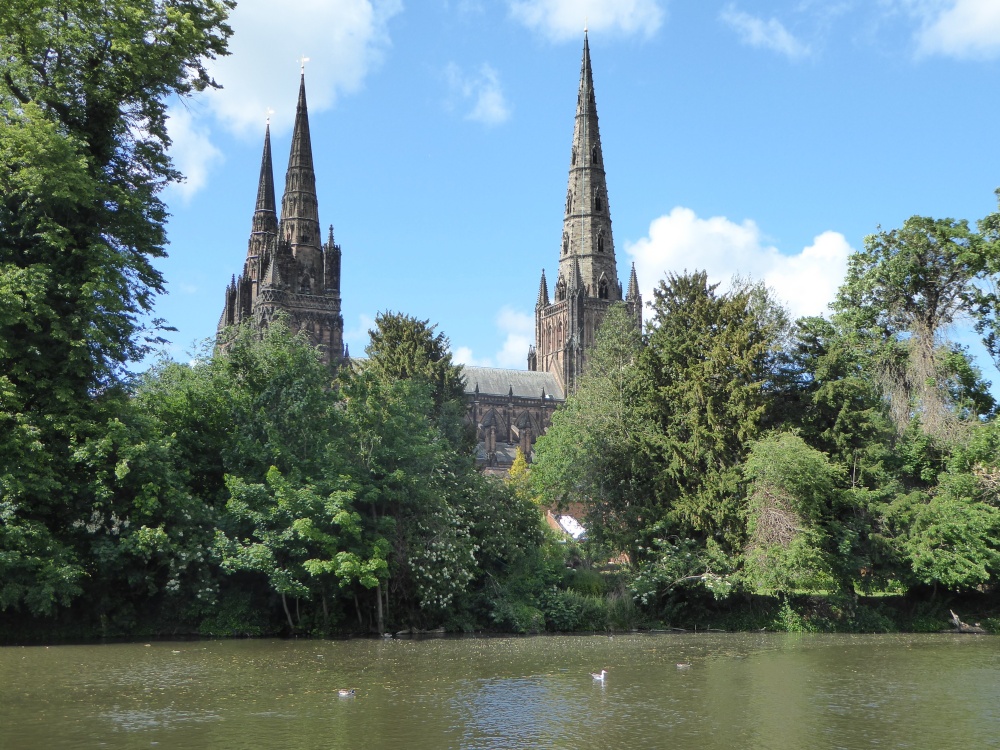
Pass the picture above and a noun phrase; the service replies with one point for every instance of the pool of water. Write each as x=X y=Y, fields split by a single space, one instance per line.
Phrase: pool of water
x=766 y=691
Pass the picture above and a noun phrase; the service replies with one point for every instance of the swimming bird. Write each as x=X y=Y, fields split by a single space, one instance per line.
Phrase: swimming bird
x=599 y=677
x=345 y=693
x=684 y=665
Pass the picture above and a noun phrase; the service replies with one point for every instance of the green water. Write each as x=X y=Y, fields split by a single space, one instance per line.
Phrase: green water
x=740 y=691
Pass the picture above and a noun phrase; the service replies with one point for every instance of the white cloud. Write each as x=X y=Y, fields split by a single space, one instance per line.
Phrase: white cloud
x=357 y=337
x=770 y=34
x=565 y=19
x=483 y=90
x=192 y=151
x=963 y=29
x=463 y=355
x=343 y=39
x=518 y=330
x=806 y=282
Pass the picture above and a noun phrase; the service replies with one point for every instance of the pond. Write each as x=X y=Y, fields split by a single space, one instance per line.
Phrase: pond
x=679 y=691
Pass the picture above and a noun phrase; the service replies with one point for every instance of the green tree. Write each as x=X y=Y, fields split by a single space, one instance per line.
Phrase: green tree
x=402 y=347
x=792 y=494
x=711 y=358
x=900 y=295
x=307 y=544
x=406 y=477
x=83 y=141
x=595 y=450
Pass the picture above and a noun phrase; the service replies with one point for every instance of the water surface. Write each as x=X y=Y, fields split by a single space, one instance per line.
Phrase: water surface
x=764 y=691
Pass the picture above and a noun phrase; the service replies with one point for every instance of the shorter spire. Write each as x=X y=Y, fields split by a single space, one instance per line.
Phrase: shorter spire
x=265 y=185
x=633 y=286
x=543 y=292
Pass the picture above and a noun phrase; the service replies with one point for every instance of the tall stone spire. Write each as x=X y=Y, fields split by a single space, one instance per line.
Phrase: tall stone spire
x=299 y=206
x=265 y=185
x=265 y=217
x=587 y=237
x=587 y=282
x=264 y=226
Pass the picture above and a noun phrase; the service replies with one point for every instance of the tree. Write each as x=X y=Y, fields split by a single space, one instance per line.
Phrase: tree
x=595 y=450
x=83 y=89
x=791 y=497
x=402 y=347
x=710 y=359
x=308 y=545
x=900 y=295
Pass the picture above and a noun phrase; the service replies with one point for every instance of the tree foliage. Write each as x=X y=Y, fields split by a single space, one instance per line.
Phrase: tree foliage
x=83 y=90
x=710 y=359
x=595 y=449
x=899 y=298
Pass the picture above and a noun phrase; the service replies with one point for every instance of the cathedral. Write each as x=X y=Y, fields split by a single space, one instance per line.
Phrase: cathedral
x=288 y=269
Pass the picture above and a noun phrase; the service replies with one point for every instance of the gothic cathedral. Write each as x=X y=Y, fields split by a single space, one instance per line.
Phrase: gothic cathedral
x=288 y=269
x=587 y=283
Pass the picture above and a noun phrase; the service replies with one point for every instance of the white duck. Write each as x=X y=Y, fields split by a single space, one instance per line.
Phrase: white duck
x=599 y=677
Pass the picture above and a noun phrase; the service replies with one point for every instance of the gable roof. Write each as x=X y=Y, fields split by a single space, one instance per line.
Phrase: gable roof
x=498 y=381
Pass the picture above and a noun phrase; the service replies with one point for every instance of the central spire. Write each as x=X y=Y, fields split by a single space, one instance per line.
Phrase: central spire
x=299 y=207
x=587 y=238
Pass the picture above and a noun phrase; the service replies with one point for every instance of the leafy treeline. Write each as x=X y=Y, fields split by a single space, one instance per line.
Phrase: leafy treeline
x=250 y=485
x=725 y=451
x=82 y=162
x=729 y=450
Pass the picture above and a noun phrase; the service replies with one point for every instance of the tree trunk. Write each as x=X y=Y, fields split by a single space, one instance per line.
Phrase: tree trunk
x=378 y=596
x=326 y=615
x=284 y=603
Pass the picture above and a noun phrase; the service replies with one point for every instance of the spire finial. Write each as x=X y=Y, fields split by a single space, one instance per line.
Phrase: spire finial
x=302 y=64
x=267 y=115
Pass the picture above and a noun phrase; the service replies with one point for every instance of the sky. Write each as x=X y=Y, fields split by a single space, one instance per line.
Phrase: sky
x=762 y=140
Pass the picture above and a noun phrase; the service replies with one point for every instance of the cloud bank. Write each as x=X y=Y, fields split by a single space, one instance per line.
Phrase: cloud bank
x=806 y=281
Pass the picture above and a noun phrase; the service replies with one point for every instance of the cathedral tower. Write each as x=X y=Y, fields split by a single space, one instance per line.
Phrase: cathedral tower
x=288 y=268
x=587 y=281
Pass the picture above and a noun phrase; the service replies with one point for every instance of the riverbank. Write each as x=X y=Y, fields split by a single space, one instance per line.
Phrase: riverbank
x=586 y=613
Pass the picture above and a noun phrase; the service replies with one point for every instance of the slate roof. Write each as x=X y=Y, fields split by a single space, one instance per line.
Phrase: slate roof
x=497 y=381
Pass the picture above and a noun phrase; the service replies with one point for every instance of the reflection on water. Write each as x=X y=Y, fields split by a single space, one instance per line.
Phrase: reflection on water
x=756 y=691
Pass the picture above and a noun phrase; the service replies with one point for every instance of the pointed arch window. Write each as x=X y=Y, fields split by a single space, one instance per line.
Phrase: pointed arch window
x=560 y=291
x=602 y=288
x=598 y=202
x=600 y=242
x=573 y=161
x=595 y=155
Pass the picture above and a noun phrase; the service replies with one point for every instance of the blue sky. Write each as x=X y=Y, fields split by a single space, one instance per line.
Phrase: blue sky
x=750 y=138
